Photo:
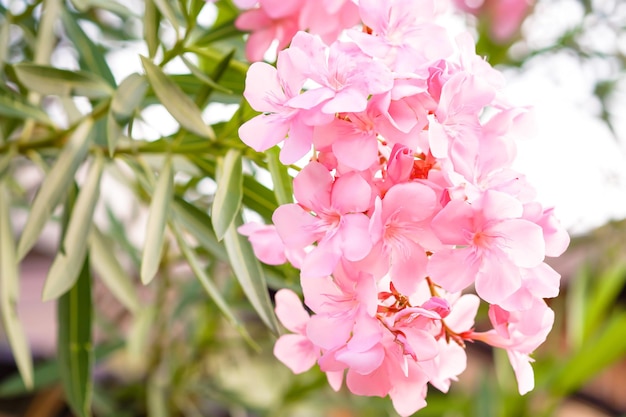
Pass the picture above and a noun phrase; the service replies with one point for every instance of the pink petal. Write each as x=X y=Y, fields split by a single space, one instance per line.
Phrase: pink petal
x=355 y=239
x=295 y=226
x=296 y=352
x=290 y=312
x=351 y=193
x=524 y=241
x=263 y=88
x=312 y=186
x=362 y=362
x=497 y=279
x=264 y=131
x=453 y=269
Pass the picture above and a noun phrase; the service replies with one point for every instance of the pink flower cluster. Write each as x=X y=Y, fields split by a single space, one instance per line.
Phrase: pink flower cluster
x=408 y=203
x=280 y=20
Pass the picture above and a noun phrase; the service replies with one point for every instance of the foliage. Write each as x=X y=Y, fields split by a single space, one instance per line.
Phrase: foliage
x=196 y=340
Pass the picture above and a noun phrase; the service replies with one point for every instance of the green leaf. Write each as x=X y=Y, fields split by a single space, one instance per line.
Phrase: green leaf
x=180 y=106
x=68 y=262
x=151 y=21
x=283 y=182
x=208 y=284
x=9 y=292
x=92 y=57
x=607 y=288
x=256 y=196
x=250 y=274
x=227 y=201
x=81 y=5
x=49 y=80
x=596 y=354
x=46 y=373
x=203 y=77
x=197 y=223
x=74 y=349
x=15 y=107
x=55 y=186
x=166 y=8
x=104 y=262
x=157 y=219
x=5 y=33
x=126 y=99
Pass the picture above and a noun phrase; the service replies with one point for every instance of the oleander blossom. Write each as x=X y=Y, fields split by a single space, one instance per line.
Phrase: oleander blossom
x=408 y=214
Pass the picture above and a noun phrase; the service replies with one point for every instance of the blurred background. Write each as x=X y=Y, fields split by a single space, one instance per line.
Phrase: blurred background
x=171 y=351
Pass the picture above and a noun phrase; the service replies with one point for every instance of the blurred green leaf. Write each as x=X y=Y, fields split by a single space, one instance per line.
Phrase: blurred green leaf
x=281 y=179
x=16 y=107
x=9 y=291
x=157 y=219
x=49 y=80
x=202 y=76
x=576 y=307
x=91 y=57
x=602 y=298
x=111 y=273
x=255 y=195
x=55 y=185
x=176 y=102
x=126 y=99
x=249 y=273
x=75 y=349
x=68 y=262
x=209 y=286
x=5 y=33
x=197 y=223
x=166 y=7
x=227 y=200
x=151 y=21
x=608 y=346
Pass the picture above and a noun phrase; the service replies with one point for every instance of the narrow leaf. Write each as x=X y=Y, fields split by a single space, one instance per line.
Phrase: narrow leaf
x=197 y=222
x=128 y=97
x=180 y=106
x=125 y=101
x=68 y=262
x=166 y=9
x=157 y=218
x=110 y=271
x=9 y=292
x=607 y=288
x=283 y=182
x=151 y=21
x=49 y=80
x=203 y=77
x=14 y=107
x=75 y=350
x=55 y=186
x=249 y=273
x=227 y=201
x=5 y=33
x=208 y=284
x=92 y=57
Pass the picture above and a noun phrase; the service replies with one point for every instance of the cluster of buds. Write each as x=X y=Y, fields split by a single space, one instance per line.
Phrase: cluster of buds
x=408 y=213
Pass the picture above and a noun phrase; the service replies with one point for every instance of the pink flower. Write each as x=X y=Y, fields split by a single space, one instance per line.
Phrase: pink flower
x=268 y=246
x=268 y=90
x=346 y=76
x=520 y=333
x=492 y=243
x=295 y=350
x=402 y=33
x=399 y=227
x=330 y=213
